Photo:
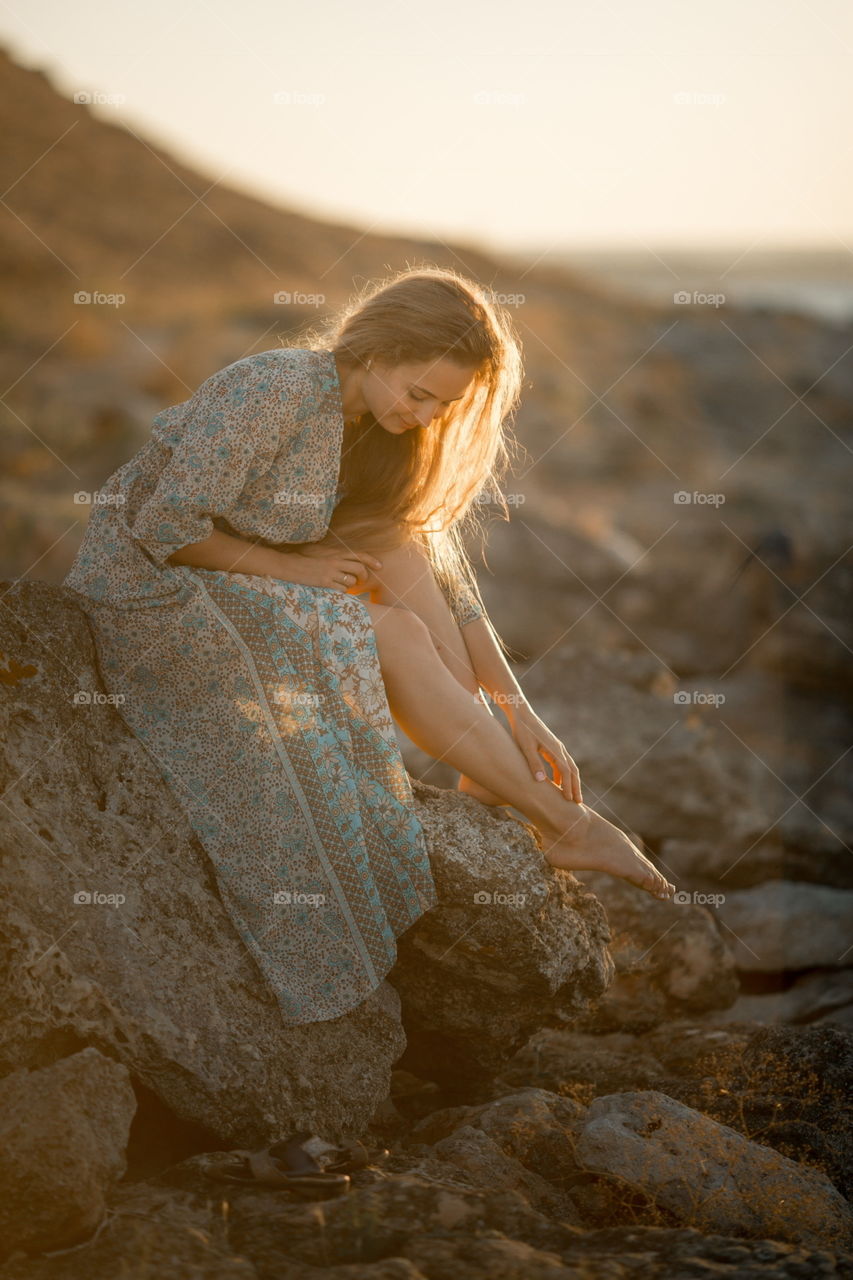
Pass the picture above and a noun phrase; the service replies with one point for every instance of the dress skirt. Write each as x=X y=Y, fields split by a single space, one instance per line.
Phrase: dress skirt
x=262 y=704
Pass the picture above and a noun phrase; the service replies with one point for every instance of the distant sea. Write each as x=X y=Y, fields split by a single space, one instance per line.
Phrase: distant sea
x=813 y=282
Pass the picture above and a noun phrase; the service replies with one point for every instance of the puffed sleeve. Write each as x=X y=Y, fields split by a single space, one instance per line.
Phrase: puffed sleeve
x=226 y=434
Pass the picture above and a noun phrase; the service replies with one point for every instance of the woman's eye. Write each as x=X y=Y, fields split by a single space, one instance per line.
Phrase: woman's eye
x=417 y=399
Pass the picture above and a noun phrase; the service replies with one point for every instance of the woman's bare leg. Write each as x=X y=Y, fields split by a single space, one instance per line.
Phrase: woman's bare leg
x=439 y=716
x=406 y=578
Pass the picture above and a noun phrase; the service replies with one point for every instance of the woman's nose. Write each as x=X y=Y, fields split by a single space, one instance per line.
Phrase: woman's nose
x=426 y=415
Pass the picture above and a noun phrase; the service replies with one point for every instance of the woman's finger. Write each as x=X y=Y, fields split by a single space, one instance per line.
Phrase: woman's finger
x=569 y=774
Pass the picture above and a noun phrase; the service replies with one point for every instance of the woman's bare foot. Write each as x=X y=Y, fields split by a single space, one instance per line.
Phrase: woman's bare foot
x=592 y=843
x=472 y=788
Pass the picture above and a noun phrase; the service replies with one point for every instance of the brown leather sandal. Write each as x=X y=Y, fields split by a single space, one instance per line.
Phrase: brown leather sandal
x=302 y=1162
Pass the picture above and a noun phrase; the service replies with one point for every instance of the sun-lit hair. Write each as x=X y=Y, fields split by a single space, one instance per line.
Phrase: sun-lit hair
x=429 y=487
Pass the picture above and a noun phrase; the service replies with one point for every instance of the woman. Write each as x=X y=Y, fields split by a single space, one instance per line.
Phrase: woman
x=222 y=570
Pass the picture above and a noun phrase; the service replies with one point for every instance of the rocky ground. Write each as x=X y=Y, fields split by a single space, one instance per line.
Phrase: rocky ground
x=563 y=1084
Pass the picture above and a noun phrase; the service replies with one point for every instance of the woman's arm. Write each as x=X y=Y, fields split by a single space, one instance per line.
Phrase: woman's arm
x=237 y=555
x=226 y=552
x=491 y=668
x=532 y=735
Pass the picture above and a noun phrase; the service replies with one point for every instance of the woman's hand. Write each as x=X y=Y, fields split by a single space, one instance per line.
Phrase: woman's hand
x=323 y=565
x=535 y=739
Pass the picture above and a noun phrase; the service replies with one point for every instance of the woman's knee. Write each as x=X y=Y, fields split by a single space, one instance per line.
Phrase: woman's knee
x=402 y=627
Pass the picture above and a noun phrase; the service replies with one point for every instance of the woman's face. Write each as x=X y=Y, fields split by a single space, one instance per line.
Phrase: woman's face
x=406 y=396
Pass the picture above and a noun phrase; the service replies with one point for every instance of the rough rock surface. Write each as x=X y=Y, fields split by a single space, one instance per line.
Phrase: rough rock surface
x=785 y=925
x=510 y=942
x=671 y=958
x=404 y=1227
x=85 y=810
x=820 y=996
x=63 y=1134
x=708 y=1175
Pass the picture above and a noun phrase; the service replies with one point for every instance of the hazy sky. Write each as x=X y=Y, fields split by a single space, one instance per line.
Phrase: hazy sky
x=532 y=124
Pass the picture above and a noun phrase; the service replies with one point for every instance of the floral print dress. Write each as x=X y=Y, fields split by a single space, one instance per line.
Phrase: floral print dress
x=261 y=701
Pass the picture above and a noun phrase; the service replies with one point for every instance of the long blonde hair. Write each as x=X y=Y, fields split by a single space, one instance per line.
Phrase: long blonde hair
x=426 y=486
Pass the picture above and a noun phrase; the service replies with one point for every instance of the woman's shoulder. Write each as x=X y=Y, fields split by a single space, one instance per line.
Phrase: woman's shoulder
x=284 y=384
x=302 y=376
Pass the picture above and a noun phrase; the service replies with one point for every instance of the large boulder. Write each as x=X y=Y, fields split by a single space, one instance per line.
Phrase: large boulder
x=707 y=1175
x=509 y=944
x=86 y=810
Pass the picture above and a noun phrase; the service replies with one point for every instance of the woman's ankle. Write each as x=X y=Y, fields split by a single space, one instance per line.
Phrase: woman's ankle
x=566 y=820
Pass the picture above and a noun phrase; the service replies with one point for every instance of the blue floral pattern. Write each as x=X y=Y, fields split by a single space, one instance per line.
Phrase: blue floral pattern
x=261 y=701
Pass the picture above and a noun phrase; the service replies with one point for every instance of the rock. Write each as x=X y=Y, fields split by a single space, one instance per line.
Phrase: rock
x=531 y=1128
x=786 y=1087
x=648 y=762
x=85 y=806
x=671 y=959
x=707 y=1175
x=783 y=925
x=63 y=1133
x=488 y=1167
x=578 y=1065
x=510 y=942
x=814 y=997
x=404 y=1228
